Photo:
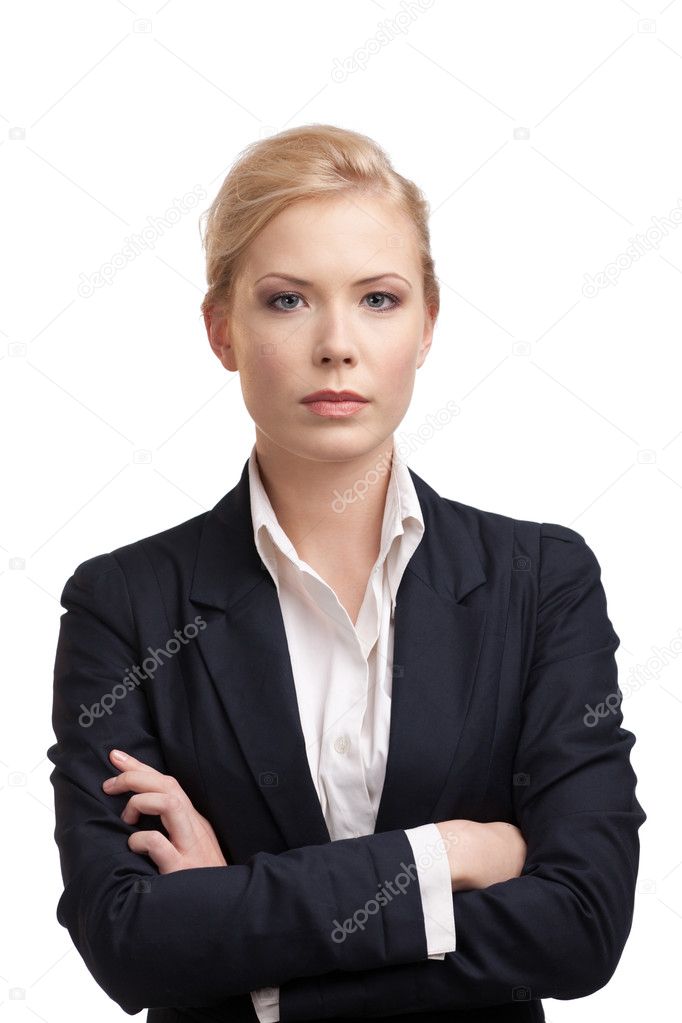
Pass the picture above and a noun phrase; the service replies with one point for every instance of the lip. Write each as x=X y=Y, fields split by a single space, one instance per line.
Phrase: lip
x=327 y=395
x=335 y=409
x=334 y=404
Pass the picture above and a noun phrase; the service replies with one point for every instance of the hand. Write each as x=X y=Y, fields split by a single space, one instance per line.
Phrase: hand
x=192 y=841
x=482 y=854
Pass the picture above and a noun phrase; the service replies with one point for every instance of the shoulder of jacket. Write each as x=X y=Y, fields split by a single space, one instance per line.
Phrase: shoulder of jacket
x=482 y=521
x=180 y=537
x=482 y=518
x=559 y=532
x=471 y=514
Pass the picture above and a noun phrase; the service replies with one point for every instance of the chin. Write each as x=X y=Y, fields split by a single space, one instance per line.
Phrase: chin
x=346 y=448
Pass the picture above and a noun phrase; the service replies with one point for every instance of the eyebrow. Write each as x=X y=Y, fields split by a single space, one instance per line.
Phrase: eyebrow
x=308 y=284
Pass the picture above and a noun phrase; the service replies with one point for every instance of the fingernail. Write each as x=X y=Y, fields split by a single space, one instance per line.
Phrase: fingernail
x=119 y=754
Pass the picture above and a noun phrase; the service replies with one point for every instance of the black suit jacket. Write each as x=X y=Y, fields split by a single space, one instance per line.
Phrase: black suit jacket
x=502 y=643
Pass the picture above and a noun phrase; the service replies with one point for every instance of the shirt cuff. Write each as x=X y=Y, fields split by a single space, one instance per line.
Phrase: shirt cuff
x=435 y=885
x=266 y=1003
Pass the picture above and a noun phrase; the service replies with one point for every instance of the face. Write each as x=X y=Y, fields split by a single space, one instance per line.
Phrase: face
x=327 y=329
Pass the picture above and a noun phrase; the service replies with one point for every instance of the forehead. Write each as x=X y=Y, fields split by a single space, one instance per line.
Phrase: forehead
x=336 y=234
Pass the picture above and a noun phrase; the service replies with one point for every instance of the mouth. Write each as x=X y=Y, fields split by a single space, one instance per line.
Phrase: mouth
x=335 y=404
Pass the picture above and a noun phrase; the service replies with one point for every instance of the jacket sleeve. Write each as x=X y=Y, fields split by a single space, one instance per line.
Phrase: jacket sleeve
x=559 y=929
x=194 y=937
x=435 y=887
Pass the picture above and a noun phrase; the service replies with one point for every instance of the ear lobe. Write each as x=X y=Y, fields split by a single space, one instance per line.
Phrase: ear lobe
x=217 y=328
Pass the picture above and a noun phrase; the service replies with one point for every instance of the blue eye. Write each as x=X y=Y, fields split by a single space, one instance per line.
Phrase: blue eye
x=385 y=294
x=276 y=298
x=292 y=294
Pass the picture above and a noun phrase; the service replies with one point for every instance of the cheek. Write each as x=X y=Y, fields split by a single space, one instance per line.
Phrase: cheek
x=398 y=371
x=262 y=375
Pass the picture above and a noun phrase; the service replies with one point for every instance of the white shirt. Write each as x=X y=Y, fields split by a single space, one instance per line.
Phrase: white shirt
x=343 y=675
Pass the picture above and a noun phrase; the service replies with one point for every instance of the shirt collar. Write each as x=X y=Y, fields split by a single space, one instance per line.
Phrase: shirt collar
x=402 y=518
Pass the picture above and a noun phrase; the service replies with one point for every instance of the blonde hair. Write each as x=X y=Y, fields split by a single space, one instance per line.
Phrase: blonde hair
x=307 y=162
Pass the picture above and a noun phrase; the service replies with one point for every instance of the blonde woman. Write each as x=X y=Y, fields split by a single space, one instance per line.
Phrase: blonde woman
x=356 y=773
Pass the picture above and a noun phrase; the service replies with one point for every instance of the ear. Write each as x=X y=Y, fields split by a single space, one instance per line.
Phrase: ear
x=218 y=330
x=430 y=315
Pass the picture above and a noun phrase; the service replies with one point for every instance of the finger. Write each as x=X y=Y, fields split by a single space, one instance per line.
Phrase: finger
x=157 y=847
x=124 y=760
x=173 y=812
x=145 y=802
x=138 y=781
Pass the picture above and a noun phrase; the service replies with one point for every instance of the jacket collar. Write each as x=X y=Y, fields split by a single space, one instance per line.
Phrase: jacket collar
x=228 y=564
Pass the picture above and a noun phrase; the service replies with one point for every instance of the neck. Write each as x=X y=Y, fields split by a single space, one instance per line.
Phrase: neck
x=327 y=508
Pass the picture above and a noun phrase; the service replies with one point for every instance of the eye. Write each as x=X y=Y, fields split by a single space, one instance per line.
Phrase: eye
x=384 y=294
x=276 y=298
x=372 y=294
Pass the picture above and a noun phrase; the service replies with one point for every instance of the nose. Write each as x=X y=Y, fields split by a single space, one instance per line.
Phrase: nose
x=335 y=343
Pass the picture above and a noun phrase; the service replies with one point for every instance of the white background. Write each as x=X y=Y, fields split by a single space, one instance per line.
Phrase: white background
x=546 y=136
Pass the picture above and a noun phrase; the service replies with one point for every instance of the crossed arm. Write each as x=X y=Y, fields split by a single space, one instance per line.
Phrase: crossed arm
x=208 y=935
x=477 y=859
x=475 y=855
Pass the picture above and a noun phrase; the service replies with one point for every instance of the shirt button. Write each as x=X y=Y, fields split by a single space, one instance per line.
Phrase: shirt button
x=341 y=743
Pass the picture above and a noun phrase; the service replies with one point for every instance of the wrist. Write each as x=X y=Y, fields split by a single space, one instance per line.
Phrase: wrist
x=456 y=835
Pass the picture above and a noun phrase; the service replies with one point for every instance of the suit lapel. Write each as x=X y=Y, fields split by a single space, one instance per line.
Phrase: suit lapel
x=437 y=644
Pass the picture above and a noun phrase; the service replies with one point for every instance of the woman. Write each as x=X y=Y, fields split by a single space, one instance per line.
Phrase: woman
x=359 y=744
